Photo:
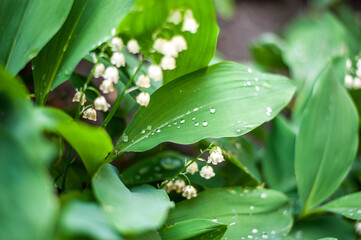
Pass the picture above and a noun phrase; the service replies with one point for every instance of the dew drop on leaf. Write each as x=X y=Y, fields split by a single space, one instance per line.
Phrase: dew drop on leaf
x=212 y=110
x=205 y=124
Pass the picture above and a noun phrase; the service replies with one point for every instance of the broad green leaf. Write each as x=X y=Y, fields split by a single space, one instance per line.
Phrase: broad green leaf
x=193 y=229
x=226 y=99
x=131 y=212
x=26 y=26
x=278 y=164
x=306 y=57
x=92 y=143
x=150 y=16
x=165 y=165
x=267 y=51
x=86 y=219
x=240 y=152
x=225 y=8
x=151 y=235
x=349 y=206
x=249 y=213
x=27 y=198
x=88 y=25
x=327 y=140
x=322 y=227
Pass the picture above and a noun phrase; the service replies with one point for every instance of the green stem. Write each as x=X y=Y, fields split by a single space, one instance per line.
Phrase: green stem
x=67 y=164
x=120 y=98
x=185 y=167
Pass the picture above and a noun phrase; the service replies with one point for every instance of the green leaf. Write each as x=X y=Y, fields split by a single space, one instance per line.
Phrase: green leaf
x=26 y=26
x=89 y=24
x=327 y=140
x=267 y=51
x=349 y=206
x=321 y=227
x=165 y=165
x=278 y=164
x=225 y=99
x=93 y=144
x=248 y=212
x=74 y=222
x=240 y=152
x=307 y=57
x=143 y=24
x=131 y=212
x=193 y=229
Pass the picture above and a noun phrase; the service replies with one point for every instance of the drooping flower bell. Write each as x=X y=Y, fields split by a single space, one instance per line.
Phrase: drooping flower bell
x=77 y=97
x=189 y=192
x=116 y=44
x=175 y=17
x=207 y=172
x=133 y=46
x=143 y=81
x=179 y=42
x=107 y=86
x=99 y=70
x=155 y=72
x=192 y=168
x=215 y=156
x=167 y=63
x=90 y=114
x=100 y=103
x=118 y=59
x=111 y=73
x=143 y=99
x=189 y=23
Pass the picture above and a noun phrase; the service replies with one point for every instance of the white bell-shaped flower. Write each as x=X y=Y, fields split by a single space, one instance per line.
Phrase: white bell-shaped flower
x=107 y=86
x=169 y=49
x=100 y=103
x=116 y=44
x=155 y=72
x=77 y=97
x=357 y=82
x=118 y=59
x=168 y=63
x=207 y=172
x=90 y=114
x=180 y=43
x=175 y=17
x=143 y=81
x=143 y=99
x=215 y=156
x=111 y=73
x=193 y=168
x=133 y=46
x=358 y=228
x=189 y=192
x=169 y=187
x=179 y=185
x=158 y=44
x=99 y=70
x=348 y=64
x=349 y=81
x=189 y=23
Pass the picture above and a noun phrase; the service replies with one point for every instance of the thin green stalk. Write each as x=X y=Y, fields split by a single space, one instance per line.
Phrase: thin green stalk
x=67 y=164
x=185 y=167
x=120 y=98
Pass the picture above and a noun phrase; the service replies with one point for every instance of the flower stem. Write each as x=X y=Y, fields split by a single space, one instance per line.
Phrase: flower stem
x=185 y=167
x=120 y=98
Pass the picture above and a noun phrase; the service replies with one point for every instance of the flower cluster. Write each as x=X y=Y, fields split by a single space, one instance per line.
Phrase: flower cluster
x=170 y=48
x=191 y=167
x=353 y=77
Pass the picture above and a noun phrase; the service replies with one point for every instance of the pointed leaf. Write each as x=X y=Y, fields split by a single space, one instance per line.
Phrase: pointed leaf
x=131 y=212
x=278 y=165
x=26 y=26
x=89 y=24
x=327 y=140
x=92 y=143
x=349 y=206
x=226 y=99
x=249 y=213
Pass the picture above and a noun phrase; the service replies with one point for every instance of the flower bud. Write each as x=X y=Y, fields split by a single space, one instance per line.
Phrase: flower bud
x=116 y=44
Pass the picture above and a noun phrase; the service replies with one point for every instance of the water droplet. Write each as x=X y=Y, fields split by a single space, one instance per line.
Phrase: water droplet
x=256 y=88
x=158 y=130
x=249 y=83
x=152 y=133
x=267 y=84
x=143 y=170
x=265 y=236
x=193 y=118
x=175 y=123
x=196 y=124
x=182 y=121
x=268 y=111
x=263 y=195
x=212 y=110
x=256 y=79
x=250 y=70
x=178 y=126
x=143 y=131
x=238 y=130
x=149 y=127
x=254 y=230
x=195 y=109
x=205 y=124
x=251 y=208
x=169 y=125
x=125 y=137
x=250 y=236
